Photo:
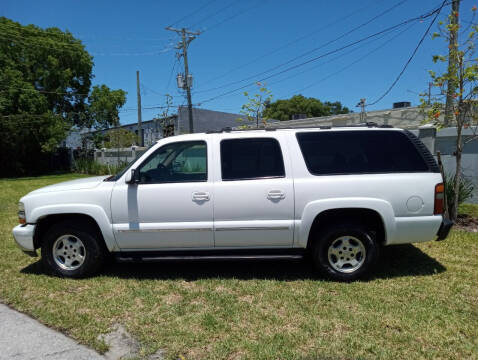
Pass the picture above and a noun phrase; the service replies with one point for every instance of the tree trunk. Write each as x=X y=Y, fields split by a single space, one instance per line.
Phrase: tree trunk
x=452 y=62
x=456 y=185
x=460 y=119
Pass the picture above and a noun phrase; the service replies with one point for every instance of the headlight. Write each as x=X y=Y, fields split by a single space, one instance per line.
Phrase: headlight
x=21 y=213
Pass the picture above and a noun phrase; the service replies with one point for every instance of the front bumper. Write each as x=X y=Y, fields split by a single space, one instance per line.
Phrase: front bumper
x=23 y=235
x=444 y=229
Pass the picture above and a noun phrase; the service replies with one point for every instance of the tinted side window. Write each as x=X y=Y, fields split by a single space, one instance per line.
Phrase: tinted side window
x=253 y=158
x=184 y=161
x=358 y=152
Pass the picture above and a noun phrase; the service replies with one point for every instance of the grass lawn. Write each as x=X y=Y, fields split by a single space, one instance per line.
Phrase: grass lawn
x=421 y=304
x=469 y=209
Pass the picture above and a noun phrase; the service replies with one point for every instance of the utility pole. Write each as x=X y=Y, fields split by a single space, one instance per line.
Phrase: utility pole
x=361 y=105
x=186 y=81
x=138 y=95
x=452 y=61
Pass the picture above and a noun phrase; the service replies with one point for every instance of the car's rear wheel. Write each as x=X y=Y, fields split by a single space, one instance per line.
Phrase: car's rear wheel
x=345 y=252
x=72 y=250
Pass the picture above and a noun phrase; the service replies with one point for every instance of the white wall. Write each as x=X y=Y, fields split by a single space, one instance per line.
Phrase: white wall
x=469 y=165
x=116 y=156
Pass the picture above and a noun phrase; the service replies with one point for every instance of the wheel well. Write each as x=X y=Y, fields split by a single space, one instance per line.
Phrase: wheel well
x=370 y=218
x=46 y=222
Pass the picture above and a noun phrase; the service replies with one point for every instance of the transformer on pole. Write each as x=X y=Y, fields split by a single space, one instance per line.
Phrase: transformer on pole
x=185 y=81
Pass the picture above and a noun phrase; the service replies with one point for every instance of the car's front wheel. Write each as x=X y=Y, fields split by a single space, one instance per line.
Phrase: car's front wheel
x=72 y=250
x=345 y=252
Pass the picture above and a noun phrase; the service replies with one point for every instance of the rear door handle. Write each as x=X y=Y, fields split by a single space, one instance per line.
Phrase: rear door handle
x=200 y=196
x=275 y=195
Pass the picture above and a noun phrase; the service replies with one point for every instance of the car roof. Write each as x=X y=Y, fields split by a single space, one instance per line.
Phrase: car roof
x=229 y=131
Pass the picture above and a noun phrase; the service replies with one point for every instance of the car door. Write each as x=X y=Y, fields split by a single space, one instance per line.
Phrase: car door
x=171 y=206
x=253 y=192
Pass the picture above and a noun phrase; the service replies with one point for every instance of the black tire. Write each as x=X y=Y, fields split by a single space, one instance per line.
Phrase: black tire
x=94 y=250
x=330 y=236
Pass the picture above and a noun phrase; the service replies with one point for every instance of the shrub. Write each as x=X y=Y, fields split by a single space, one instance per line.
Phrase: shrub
x=89 y=166
x=465 y=190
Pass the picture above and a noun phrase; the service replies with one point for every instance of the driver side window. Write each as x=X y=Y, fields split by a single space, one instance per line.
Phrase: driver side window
x=176 y=162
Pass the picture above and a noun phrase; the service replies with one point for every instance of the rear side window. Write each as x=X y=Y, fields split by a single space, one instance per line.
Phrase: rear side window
x=253 y=158
x=360 y=152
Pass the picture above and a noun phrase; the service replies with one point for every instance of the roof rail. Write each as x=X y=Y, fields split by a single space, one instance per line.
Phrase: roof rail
x=322 y=127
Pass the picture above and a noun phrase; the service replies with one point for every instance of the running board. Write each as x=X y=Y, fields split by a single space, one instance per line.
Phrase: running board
x=165 y=258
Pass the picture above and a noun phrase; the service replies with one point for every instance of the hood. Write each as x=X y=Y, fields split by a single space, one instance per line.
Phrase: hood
x=78 y=184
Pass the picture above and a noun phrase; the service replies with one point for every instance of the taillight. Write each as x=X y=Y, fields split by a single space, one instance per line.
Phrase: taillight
x=439 y=199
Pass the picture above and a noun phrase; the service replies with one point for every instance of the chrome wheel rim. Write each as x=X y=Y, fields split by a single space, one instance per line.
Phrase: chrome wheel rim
x=346 y=254
x=69 y=252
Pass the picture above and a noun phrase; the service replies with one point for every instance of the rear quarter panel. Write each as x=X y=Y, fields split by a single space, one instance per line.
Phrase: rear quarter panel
x=405 y=201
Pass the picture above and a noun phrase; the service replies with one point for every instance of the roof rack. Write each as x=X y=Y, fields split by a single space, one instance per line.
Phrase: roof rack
x=369 y=124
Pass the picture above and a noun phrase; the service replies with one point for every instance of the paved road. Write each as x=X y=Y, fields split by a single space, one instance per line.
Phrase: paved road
x=23 y=338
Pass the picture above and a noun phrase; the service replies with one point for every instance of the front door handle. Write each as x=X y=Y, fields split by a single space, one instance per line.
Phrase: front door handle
x=275 y=195
x=200 y=196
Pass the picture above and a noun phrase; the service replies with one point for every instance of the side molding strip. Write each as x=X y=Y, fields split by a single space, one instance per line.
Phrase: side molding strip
x=162 y=230
x=253 y=228
x=204 y=229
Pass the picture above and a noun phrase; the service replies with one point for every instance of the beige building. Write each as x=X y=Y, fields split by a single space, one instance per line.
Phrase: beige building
x=407 y=118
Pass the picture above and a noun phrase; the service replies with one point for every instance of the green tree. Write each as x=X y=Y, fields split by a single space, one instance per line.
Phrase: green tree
x=104 y=106
x=164 y=119
x=256 y=104
x=298 y=104
x=45 y=80
x=119 y=138
x=462 y=78
x=49 y=64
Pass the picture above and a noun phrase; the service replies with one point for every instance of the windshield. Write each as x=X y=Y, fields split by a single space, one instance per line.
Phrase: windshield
x=120 y=174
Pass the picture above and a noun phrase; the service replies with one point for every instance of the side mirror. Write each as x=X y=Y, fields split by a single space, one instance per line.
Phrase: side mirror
x=131 y=177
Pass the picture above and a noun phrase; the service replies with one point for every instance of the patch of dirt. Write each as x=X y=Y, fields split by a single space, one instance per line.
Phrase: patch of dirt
x=171 y=299
x=223 y=289
x=467 y=223
x=247 y=298
x=122 y=345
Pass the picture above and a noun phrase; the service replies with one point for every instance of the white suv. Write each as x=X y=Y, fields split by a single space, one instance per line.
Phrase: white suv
x=336 y=194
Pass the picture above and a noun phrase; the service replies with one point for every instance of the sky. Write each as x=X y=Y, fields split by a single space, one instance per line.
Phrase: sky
x=294 y=47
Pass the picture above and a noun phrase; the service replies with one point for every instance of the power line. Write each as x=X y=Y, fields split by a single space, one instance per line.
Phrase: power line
x=36 y=118
x=176 y=62
x=355 y=61
x=121 y=110
x=23 y=41
x=339 y=56
x=421 y=17
x=294 y=41
x=193 y=12
x=148 y=88
x=259 y=2
x=37 y=31
x=71 y=45
x=53 y=31
x=154 y=106
x=69 y=93
x=146 y=53
x=195 y=25
x=411 y=57
x=307 y=52
x=148 y=108
x=44 y=91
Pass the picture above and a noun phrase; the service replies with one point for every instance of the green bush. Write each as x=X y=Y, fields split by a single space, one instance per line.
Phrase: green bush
x=91 y=167
x=464 y=192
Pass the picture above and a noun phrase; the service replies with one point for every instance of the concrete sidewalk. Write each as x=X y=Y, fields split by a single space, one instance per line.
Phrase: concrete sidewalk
x=22 y=337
